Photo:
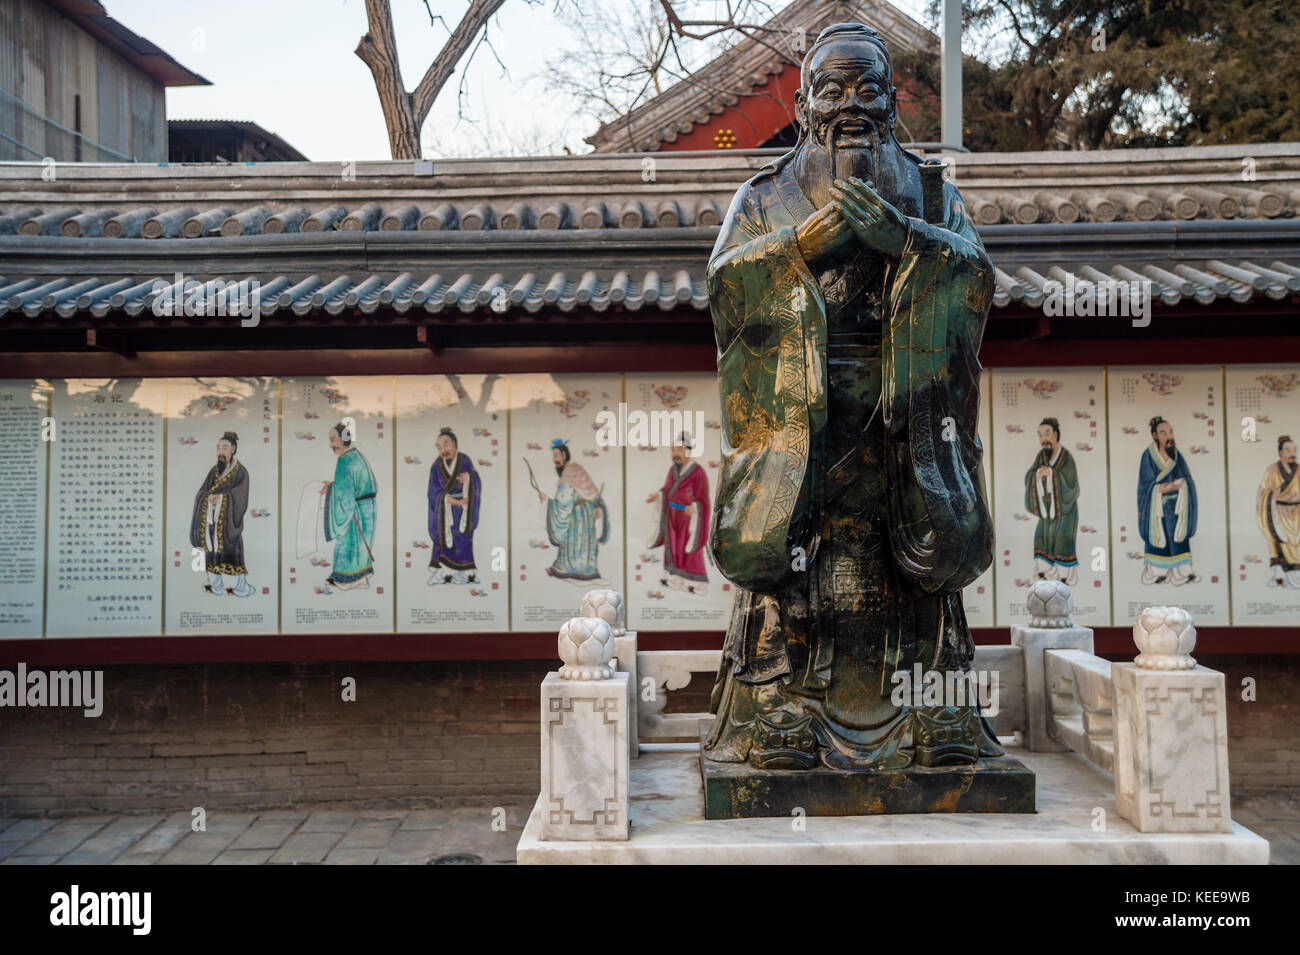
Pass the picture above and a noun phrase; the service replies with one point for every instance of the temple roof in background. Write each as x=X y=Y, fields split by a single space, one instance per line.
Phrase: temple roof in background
x=746 y=66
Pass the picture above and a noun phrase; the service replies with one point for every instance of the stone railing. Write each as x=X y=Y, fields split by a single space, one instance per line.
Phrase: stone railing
x=1157 y=724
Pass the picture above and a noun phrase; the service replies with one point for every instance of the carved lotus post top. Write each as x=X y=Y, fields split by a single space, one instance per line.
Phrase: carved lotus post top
x=608 y=606
x=586 y=646
x=1165 y=637
x=1050 y=605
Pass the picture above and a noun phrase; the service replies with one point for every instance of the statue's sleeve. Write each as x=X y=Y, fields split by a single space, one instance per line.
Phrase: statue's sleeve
x=937 y=302
x=770 y=324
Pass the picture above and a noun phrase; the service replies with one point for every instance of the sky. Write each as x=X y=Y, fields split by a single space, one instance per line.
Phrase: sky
x=289 y=66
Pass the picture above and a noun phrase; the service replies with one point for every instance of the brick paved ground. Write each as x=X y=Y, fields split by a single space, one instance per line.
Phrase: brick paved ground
x=371 y=837
x=280 y=837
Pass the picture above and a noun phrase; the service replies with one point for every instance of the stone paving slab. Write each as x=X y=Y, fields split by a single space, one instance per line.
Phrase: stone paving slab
x=354 y=837
x=265 y=834
x=163 y=836
x=352 y=856
x=111 y=841
x=25 y=830
x=244 y=857
x=305 y=848
x=30 y=860
x=369 y=834
x=329 y=821
x=62 y=838
x=413 y=847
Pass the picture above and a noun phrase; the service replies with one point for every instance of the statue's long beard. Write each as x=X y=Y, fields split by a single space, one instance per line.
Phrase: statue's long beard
x=222 y=464
x=855 y=163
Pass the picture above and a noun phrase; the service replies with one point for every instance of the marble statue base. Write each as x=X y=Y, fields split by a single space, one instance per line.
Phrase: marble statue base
x=741 y=791
x=1076 y=822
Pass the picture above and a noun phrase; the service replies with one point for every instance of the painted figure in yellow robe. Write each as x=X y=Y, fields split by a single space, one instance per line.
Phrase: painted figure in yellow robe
x=1278 y=511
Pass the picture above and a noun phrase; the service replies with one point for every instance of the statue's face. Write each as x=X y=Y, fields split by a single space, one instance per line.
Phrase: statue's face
x=679 y=454
x=557 y=457
x=1046 y=436
x=446 y=447
x=336 y=442
x=225 y=451
x=1287 y=454
x=847 y=102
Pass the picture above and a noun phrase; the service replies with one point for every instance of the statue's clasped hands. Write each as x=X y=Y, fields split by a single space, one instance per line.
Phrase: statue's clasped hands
x=856 y=210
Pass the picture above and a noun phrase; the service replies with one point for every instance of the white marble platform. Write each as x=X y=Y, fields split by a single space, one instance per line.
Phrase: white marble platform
x=668 y=827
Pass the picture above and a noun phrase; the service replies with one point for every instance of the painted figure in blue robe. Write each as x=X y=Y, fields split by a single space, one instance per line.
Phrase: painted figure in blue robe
x=350 y=513
x=577 y=520
x=1166 y=509
x=454 y=492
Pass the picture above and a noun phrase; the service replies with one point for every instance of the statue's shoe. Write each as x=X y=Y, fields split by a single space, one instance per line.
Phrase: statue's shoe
x=243 y=588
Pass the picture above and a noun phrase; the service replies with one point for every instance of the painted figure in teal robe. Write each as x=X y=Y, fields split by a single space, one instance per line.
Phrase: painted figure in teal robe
x=577 y=520
x=849 y=292
x=350 y=513
x=1052 y=495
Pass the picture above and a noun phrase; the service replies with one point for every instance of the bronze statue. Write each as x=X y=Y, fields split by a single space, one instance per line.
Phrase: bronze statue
x=849 y=292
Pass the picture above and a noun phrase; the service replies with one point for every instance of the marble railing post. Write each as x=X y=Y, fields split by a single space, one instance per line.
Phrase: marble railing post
x=608 y=606
x=585 y=726
x=1171 y=731
x=1050 y=628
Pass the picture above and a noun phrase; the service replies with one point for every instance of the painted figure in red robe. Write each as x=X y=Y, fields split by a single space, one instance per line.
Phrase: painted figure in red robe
x=683 y=522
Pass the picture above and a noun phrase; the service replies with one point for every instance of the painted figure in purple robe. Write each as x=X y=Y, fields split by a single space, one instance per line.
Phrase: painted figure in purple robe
x=454 y=493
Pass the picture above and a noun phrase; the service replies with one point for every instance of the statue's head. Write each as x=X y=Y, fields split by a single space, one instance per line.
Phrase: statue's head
x=847 y=103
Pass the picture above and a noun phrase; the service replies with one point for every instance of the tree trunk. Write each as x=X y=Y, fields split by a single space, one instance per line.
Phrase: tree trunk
x=405 y=113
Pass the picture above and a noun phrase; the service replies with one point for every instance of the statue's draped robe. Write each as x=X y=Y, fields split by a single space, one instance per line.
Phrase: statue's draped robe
x=1278 y=513
x=451 y=529
x=1166 y=519
x=219 y=529
x=350 y=517
x=573 y=527
x=1054 y=501
x=850 y=509
x=684 y=522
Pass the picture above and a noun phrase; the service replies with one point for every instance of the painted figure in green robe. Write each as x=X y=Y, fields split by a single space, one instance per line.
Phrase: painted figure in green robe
x=1052 y=495
x=350 y=513
x=577 y=520
x=849 y=292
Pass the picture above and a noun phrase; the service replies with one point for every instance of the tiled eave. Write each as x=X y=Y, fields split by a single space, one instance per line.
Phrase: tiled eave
x=453 y=276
